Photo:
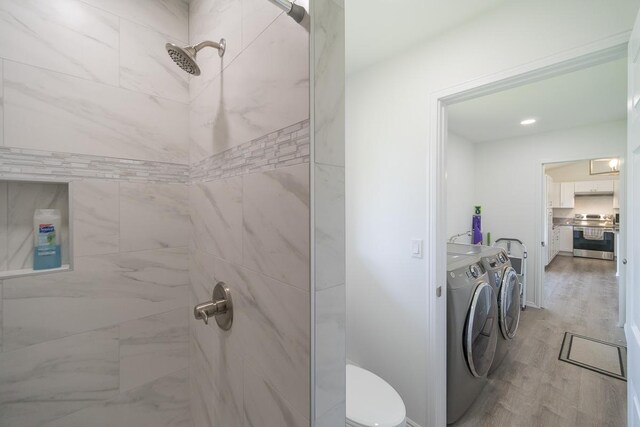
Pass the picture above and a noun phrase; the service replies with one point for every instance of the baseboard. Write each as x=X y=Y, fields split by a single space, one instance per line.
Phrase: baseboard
x=532 y=305
x=412 y=423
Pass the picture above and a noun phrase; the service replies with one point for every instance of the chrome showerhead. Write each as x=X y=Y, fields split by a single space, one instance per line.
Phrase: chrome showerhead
x=185 y=56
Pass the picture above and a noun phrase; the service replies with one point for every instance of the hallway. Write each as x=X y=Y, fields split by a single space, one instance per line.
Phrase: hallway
x=533 y=387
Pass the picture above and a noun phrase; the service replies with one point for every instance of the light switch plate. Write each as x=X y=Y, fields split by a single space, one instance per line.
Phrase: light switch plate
x=416 y=248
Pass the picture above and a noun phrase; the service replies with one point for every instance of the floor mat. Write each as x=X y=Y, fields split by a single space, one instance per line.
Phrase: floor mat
x=598 y=356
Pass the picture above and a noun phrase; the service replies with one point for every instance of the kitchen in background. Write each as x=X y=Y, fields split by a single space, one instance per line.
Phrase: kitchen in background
x=583 y=205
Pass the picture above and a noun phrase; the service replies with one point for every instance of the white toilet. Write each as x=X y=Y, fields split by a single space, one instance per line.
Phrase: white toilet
x=371 y=401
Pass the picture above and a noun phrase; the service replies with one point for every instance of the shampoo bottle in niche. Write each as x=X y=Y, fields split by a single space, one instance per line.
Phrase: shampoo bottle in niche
x=46 y=228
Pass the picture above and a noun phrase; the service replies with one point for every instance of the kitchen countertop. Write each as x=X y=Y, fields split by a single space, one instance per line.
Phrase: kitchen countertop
x=564 y=222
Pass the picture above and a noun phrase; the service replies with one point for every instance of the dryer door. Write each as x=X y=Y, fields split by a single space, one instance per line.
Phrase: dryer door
x=509 y=304
x=481 y=333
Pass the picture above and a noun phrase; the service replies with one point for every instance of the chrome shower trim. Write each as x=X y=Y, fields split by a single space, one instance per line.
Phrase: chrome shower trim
x=293 y=10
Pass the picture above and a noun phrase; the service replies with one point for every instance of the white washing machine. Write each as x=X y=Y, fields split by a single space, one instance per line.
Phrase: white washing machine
x=504 y=280
x=472 y=317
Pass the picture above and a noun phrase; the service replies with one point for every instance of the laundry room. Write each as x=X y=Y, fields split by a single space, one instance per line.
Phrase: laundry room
x=534 y=173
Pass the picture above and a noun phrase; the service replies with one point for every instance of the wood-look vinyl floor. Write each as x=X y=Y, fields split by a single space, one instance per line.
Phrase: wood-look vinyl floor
x=532 y=387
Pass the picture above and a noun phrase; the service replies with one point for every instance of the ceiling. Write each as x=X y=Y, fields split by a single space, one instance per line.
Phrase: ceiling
x=378 y=29
x=593 y=95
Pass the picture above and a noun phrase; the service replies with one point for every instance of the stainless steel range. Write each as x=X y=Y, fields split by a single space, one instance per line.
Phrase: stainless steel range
x=593 y=236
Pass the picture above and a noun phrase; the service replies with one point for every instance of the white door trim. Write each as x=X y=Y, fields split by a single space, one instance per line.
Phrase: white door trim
x=599 y=52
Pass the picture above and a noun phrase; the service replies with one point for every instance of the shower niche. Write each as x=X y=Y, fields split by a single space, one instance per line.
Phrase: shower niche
x=18 y=202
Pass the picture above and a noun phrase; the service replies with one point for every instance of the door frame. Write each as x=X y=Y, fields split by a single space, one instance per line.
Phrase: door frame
x=571 y=60
x=540 y=300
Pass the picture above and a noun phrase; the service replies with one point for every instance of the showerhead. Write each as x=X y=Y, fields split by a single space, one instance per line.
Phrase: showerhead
x=185 y=56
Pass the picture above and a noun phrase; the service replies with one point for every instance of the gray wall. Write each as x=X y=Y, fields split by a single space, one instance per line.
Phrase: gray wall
x=88 y=96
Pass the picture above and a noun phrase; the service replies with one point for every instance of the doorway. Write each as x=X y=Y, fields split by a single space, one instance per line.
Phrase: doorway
x=504 y=175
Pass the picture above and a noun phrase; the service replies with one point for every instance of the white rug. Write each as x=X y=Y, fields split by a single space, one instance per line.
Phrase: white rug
x=599 y=356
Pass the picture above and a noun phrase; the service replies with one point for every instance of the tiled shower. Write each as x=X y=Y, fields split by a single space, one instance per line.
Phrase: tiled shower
x=168 y=184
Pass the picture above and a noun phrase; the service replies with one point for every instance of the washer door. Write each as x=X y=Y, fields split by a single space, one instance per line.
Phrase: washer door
x=509 y=304
x=481 y=330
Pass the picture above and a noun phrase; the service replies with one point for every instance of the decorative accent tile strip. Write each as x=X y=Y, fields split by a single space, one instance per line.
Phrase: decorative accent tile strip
x=286 y=147
x=47 y=165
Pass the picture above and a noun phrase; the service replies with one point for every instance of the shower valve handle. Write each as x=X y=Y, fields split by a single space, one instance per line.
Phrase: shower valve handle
x=220 y=306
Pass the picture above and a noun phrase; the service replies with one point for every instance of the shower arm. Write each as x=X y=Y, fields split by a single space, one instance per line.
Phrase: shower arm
x=208 y=43
x=295 y=11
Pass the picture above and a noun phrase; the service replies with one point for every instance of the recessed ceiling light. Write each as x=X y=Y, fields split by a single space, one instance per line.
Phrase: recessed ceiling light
x=527 y=122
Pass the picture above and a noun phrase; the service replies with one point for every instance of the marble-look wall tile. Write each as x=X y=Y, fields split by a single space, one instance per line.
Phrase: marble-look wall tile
x=266 y=88
x=66 y=36
x=153 y=347
x=153 y=216
x=161 y=403
x=50 y=380
x=271 y=330
x=216 y=217
x=213 y=20
x=1 y=103
x=257 y=15
x=145 y=66
x=52 y=111
x=330 y=348
x=4 y=231
x=96 y=217
x=102 y=291
x=335 y=417
x=276 y=224
x=329 y=226
x=23 y=199
x=216 y=375
x=168 y=16
x=265 y=407
x=329 y=82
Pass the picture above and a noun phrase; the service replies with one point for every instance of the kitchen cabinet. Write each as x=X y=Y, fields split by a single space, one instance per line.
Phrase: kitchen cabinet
x=565 y=241
x=567 y=195
x=555 y=195
x=554 y=243
x=549 y=191
x=594 y=187
x=616 y=194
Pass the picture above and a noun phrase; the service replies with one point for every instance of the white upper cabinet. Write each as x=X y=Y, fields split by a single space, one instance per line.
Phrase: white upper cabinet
x=567 y=195
x=555 y=195
x=549 y=190
x=590 y=187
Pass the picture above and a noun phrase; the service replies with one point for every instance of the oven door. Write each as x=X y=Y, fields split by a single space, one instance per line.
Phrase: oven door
x=593 y=245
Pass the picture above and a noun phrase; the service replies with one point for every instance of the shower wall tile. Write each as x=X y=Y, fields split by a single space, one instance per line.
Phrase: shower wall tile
x=145 y=66
x=153 y=216
x=330 y=348
x=213 y=20
x=23 y=199
x=264 y=407
x=153 y=347
x=217 y=374
x=334 y=417
x=329 y=61
x=102 y=291
x=271 y=329
x=1 y=103
x=4 y=231
x=257 y=15
x=167 y=16
x=56 y=112
x=66 y=36
x=216 y=217
x=276 y=224
x=161 y=403
x=329 y=226
x=96 y=217
x=266 y=88
x=26 y=164
x=53 y=379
